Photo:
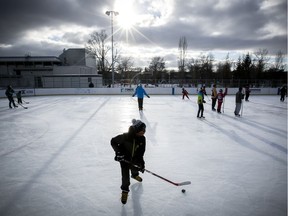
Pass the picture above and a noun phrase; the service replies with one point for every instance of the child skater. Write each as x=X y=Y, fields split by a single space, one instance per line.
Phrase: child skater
x=184 y=93
x=140 y=92
x=200 y=102
x=238 y=99
x=19 y=97
x=130 y=147
x=220 y=97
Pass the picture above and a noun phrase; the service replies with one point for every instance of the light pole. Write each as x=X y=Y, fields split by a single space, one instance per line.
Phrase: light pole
x=115 y=14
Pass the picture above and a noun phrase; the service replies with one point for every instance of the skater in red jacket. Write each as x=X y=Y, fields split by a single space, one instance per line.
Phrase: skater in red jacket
x=220 y=97
x=184 y=93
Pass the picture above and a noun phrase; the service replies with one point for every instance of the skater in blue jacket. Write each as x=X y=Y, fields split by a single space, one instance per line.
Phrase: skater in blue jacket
x=140 y=92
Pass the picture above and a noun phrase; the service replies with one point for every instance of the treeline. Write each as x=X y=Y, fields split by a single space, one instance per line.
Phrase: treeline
x=255 y=66
x=252 y=70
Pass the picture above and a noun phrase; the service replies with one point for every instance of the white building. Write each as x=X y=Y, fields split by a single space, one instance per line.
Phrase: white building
x=73 y=68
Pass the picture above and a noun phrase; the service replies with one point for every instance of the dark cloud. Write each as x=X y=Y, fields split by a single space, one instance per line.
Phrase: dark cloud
x=211 y=25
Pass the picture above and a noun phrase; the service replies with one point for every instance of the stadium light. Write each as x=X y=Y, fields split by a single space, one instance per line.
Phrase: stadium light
x=111 y=14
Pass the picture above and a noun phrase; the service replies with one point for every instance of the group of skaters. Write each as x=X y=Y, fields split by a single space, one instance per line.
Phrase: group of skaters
x=9 y=94
x=218 y=96
x=130 y=146
x=215 y=97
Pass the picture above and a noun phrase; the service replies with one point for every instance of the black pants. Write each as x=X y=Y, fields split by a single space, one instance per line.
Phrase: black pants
x=140 y=103
x=247 y=96
x=200 y=110
x=11 y=101
x=125 y=171
x=213 y=103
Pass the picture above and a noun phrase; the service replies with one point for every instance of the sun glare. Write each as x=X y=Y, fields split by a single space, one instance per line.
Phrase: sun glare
x=127 y=16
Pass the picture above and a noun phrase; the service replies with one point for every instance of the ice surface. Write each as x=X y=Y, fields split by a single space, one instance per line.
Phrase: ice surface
x=56 y=158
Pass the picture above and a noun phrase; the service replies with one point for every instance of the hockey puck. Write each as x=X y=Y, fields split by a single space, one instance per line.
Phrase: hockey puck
x=183 y=190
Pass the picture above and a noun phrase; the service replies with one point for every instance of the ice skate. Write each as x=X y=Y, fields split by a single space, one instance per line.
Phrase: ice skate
x=137 y=178
x=124 y=197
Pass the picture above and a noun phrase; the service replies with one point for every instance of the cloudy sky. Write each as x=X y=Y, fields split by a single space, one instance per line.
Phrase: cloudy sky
x=145 y=28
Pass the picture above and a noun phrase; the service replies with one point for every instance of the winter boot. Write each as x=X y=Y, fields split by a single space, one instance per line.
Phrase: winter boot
x=137 y=178
x=124 y=197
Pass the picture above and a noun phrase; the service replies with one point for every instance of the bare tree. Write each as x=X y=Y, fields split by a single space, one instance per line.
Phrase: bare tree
x=125 y=64
x=182 y=53
x=124 y=67
x=194 y=68
x=206 y=64
x=224 y=69
x=279 y=61
x=96 y=47
x=156 y=67
x=261 y=60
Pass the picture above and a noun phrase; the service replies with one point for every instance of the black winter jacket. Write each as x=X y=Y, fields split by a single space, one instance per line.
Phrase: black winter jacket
x=132 y=147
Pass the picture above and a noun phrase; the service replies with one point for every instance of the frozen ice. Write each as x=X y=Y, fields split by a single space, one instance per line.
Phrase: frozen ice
x=56 y=158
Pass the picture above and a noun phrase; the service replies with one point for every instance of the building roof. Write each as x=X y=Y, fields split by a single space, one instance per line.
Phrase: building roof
x=30 y=59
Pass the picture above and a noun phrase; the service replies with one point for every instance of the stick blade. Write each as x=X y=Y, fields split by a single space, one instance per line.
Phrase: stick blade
x=184 y=183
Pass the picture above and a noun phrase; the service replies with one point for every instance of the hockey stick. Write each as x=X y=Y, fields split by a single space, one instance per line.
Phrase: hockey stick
x=22 y=106
x=242 y=104
x=174 y=183
x=25 y=101
x=223 y=103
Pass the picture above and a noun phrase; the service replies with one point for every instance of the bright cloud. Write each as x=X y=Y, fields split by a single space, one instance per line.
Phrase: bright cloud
x=146 y=28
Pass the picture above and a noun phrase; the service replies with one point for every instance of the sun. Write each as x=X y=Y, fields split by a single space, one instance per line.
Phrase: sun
x=126 y=21
x=127 y=15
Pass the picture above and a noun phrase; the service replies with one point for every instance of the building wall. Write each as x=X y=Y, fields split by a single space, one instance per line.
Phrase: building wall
x=71 y=82
x=30 y=71
x=57 y=70
x=73 y=57
x=77 y=56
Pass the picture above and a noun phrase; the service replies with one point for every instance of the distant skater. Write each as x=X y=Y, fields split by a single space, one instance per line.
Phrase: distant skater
x=203 y=88
x=19 y=97
x=140 y=92
x=238 y=99
x=247 y=93
x=283 y=92
x=130 y=147
x=200 y=102
x=214 y=97
x=220 y=98
x=184 y=93
x=91 y=85
x=9 y=94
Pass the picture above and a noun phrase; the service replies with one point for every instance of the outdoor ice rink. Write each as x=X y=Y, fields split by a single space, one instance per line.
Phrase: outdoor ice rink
x=56 y=158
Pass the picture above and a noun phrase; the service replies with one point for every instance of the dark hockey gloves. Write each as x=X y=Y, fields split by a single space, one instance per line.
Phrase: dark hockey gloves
x=141 y=170
x=119 y=156
x=140 y=167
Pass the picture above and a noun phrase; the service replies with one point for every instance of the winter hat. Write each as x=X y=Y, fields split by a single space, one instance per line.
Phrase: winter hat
x=221 y=90
x=138 y=125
